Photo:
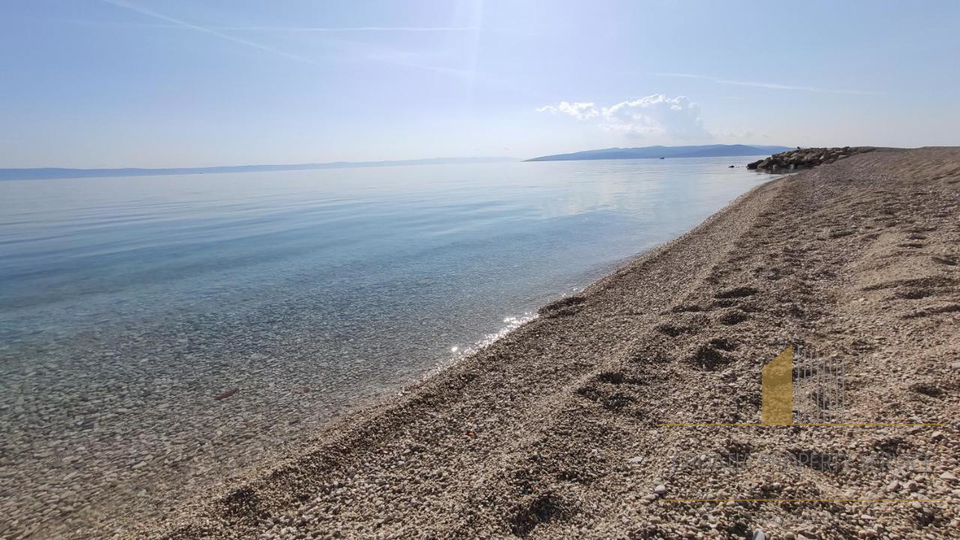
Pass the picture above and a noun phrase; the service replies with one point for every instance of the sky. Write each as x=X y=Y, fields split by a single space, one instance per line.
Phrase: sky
x=171 y=83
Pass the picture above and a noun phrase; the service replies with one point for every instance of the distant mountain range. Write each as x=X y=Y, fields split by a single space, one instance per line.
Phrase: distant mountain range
x=47 y=173
x=654 y=152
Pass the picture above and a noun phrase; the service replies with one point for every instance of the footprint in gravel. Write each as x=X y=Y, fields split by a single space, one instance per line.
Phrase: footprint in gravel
x=709 y=357
x=776 y=273
x=617 y=378
x=731 y=318
x=736 y=451
x=841 y=233
x=563 y=307
x=723 y=344
x=610 y=401
x=243 y=502
x=891 y=445
x=674 y=330
x=925 y=517
x=738 y=292
x=924 y=282
x=927 y=389
x=611 y=377
x=913 y=294
x=542 y=509
x=928 y=312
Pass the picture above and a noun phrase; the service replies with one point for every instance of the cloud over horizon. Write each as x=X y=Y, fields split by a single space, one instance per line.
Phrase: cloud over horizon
x=580 y=111
x=654 y=115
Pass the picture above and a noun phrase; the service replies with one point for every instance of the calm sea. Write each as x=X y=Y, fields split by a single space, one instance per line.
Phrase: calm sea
x=127 y=305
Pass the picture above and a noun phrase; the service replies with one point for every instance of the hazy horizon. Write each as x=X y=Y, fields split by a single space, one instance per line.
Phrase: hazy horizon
x=438 y=160
x=142 y=83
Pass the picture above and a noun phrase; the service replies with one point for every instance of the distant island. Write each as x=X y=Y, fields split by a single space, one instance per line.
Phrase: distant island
x=52 y=172
x=655 y=152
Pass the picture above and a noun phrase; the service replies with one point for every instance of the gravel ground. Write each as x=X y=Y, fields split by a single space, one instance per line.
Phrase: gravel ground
x=558 y=429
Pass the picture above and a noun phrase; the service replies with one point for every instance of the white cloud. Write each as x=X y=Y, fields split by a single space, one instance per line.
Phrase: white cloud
x=580 y=111
x=655 y=115
x=677 y=117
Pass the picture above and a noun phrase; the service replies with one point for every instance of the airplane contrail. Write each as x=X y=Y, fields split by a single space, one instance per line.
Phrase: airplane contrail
x=207 y=30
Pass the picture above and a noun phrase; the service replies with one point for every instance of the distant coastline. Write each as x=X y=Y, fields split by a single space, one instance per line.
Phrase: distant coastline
x=656 y=152
x=646 y=152
x=48 y=173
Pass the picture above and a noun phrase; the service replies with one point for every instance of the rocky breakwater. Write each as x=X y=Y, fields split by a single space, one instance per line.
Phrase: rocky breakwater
x=805 y=158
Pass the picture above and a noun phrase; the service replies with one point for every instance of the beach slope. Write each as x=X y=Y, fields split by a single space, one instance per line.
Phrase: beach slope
x=566 y=428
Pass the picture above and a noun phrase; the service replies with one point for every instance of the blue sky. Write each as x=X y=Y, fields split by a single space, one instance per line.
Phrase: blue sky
x=157 y=83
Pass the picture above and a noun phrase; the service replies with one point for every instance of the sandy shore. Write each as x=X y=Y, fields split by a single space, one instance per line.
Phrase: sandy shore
x=559 y=430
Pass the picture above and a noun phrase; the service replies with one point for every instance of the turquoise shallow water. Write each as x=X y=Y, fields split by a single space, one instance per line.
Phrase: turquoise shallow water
x=127 y=305
x=378 y=272
x=390 y=249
